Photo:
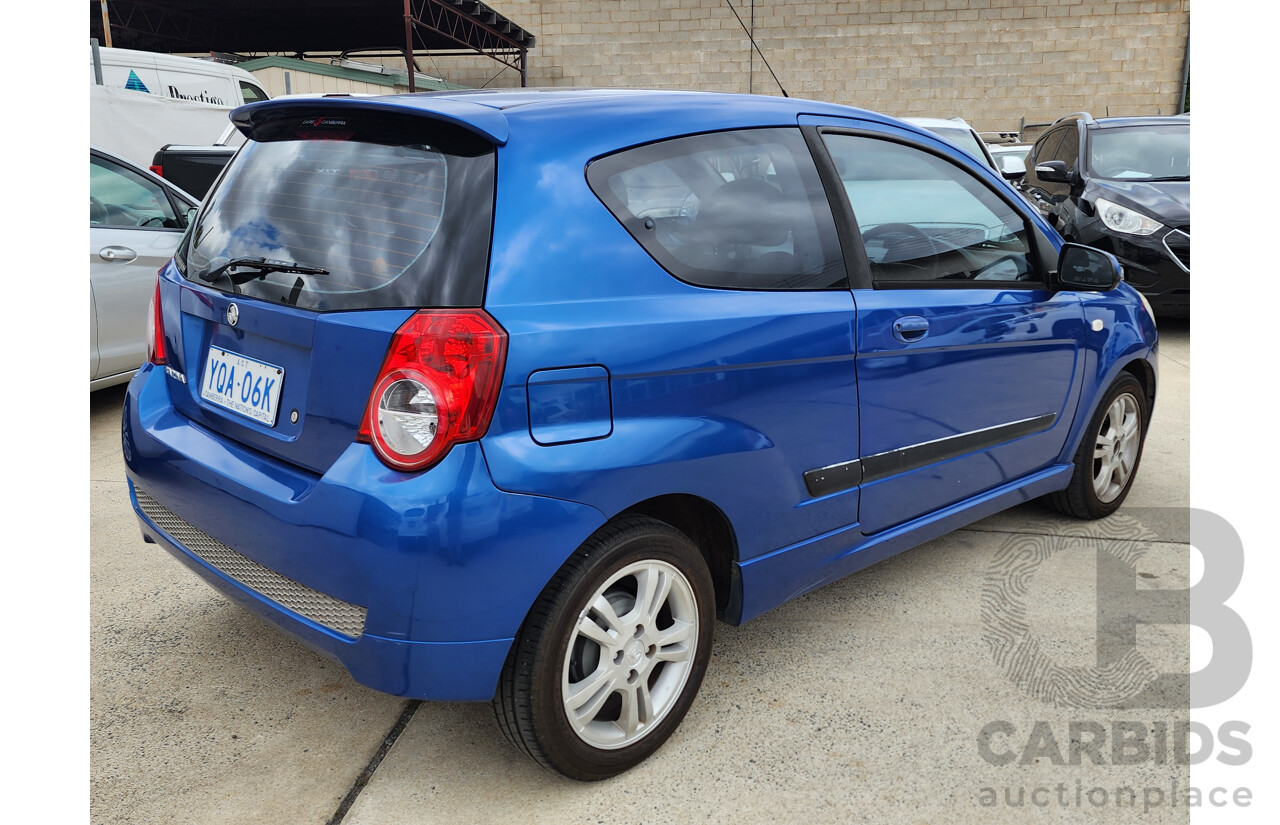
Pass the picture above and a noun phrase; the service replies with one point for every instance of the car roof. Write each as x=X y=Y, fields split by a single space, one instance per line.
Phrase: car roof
x=1147 y=120
x=939 y=122
x=491 y=112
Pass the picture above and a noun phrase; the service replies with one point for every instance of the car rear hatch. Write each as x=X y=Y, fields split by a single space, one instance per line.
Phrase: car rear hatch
x=335 y=223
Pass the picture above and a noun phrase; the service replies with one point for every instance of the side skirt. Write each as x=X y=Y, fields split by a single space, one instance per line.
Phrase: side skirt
x=778 y=577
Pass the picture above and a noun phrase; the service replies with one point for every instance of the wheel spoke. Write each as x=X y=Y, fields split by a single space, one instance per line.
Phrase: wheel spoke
x=637 y=708
x=585 y=699
x=1129 y=429
x=1116 y=413
x=653 y=587
x=602 y=608
x=674 y=644
x=587 y=627
x=1103 y=479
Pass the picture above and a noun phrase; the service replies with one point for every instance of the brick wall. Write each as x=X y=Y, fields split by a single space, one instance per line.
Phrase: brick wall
x=992 y=62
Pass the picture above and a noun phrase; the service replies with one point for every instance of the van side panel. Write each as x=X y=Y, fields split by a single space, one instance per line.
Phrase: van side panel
x=172 y=76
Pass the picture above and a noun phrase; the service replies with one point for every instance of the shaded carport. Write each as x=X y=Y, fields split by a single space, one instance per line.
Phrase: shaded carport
x=302 y=28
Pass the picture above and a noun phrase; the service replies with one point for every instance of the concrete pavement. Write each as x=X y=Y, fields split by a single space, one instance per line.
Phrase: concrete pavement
x=864 y=701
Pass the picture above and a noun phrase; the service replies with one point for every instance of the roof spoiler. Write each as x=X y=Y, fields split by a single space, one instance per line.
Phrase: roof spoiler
x=485 y=121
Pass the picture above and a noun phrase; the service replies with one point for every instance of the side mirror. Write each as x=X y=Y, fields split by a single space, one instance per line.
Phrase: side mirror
x=1012 y=168
x=1089 y=269
x=1054 y=171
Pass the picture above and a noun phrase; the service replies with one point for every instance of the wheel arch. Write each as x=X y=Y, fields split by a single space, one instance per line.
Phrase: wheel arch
x=1140 y=369
x=709 y=528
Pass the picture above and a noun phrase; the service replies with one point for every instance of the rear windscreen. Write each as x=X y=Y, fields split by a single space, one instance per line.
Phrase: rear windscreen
x=331 y=218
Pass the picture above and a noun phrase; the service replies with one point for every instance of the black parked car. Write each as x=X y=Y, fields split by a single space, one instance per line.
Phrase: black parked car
x=1122 y=184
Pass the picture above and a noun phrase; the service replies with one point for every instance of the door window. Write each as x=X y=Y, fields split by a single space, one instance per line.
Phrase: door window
x=121 y=197
x=1068 y=151
x=1046 y=146
x=925 y=221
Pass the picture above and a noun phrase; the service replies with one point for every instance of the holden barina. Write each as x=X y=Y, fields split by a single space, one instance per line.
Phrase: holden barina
x=511 y=396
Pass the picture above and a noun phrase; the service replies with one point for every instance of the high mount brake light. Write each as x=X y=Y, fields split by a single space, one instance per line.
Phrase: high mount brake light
x=155 y=328
x=438 y=386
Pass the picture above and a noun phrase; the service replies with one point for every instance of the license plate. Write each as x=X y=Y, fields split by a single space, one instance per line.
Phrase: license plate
x=242 y=385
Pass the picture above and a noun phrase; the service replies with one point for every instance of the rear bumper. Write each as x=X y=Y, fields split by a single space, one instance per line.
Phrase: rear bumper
x=416 y=583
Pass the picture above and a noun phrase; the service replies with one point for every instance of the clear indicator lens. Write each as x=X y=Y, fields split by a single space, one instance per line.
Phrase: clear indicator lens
x=407 y=417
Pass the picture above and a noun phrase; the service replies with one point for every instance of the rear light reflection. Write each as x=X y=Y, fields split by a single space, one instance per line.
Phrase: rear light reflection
x=155 y=329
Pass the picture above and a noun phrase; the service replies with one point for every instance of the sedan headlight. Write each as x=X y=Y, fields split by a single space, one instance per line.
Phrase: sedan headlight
x=1119 y=218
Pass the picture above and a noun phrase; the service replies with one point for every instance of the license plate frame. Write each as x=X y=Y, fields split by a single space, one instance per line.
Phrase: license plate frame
x=243 y=385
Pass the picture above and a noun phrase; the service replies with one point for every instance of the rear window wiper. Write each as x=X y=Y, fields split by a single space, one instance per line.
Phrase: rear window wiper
x=1166 y=179
x=258 y=268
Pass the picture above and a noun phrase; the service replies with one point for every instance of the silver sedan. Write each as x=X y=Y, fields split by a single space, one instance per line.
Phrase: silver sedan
x=135 y=222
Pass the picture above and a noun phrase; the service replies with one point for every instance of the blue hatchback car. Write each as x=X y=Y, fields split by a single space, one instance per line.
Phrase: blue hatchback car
x=509 y=396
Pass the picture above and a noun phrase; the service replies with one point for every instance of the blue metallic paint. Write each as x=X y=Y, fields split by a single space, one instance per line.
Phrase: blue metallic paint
x=569 y=404
x=436 y=557
x=726 y=396
x=991 y=357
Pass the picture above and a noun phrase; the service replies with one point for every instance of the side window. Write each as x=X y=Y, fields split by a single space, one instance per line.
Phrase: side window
x=1045 y=147
x=121 y=197
x=251 y=93
x=925 y=221
x=737 y=210
x=1069 y=150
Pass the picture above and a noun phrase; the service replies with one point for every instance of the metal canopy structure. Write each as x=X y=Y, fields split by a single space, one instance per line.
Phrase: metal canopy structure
x=310 y=27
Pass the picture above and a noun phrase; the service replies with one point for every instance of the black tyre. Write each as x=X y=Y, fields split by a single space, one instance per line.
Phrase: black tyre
x=1109 y=453
x=612 y=654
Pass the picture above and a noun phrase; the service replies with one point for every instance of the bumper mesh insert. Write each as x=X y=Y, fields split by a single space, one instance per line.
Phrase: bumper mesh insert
x=335 y=614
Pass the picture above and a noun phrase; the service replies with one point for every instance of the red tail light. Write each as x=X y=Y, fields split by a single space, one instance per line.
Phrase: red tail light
x=158 y=169
x=155 y=329
x=438 y=386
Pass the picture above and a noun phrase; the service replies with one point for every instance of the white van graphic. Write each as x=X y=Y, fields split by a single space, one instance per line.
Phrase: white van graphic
x=181 y=78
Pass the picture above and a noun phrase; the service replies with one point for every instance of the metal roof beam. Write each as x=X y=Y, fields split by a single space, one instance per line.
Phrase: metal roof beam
x=475 y=31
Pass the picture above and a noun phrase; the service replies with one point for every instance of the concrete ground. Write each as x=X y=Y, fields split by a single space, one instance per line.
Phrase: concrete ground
x=864 y=701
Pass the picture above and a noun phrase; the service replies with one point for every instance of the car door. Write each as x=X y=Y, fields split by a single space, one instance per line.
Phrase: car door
x=966 y=360
x=134 y=226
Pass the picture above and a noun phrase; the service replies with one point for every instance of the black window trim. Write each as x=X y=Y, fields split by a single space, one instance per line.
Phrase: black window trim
x=613 y=205
x=857 y=253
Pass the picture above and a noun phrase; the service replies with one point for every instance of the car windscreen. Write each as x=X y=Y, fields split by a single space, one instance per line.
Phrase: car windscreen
x=330 y=218
x=1152 y=152
x=962 y=138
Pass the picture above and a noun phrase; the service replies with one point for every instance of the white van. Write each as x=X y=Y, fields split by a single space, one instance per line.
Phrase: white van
x=181 y=78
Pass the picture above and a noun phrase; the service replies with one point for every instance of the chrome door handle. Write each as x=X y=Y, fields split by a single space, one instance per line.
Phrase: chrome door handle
x=114 y=254
x=910 y=328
